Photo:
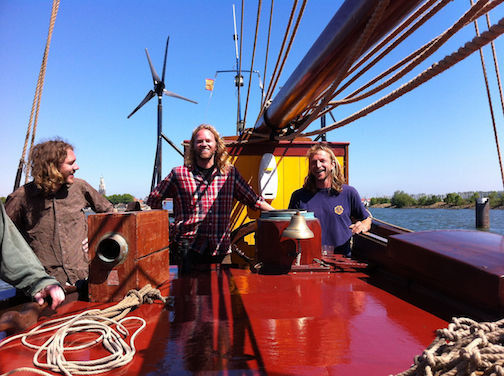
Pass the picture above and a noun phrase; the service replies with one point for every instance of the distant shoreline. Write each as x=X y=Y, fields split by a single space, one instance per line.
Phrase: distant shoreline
x=437 y=205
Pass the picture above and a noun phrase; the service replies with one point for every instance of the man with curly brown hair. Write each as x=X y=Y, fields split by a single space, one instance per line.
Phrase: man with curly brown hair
x=203 y=191
x=335 y=204
x=48 y=211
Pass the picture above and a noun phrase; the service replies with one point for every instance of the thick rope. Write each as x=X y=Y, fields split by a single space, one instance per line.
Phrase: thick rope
x=416 y=57
x=284 y=50
x=38 y=96
x=481 y=8
x=499 y=84
x=466 y=347
x=385 y=52
x=429 y=49
x=437 y=68
x=240 y=60
x=267 y=50
x=92 y=321
x=366 y=34
x=396 y=34
x=259 y=7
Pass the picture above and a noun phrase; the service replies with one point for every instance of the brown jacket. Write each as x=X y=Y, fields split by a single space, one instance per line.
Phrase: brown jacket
x=55 y=226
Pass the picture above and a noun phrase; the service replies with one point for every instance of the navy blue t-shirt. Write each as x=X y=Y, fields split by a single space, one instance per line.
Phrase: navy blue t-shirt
x=333 y=209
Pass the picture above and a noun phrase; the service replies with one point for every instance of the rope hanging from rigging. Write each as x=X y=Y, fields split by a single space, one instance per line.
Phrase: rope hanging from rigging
x=284 y=50
x=319 y=108
x=488 y=90
x=437 y=68
x=36 y=100
x=259 y=6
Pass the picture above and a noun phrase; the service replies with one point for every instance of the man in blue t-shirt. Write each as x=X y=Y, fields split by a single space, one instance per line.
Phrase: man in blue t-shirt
x=336 y=205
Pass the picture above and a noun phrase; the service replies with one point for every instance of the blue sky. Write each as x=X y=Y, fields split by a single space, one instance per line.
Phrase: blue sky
x=436 y=139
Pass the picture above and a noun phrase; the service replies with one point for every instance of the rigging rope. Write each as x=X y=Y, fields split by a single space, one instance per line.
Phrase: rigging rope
x=259 y=6
x=421 y=54
x=267 y=50
x=427 y=51
x=496 y=66
x=94 y=321
x=36 y=99
x=395 y=33
x=318 y=108
x=437 y=68
x=238 y=79
x=275 y=75
x=279 y=67
x=371 y=25
x=399 y=40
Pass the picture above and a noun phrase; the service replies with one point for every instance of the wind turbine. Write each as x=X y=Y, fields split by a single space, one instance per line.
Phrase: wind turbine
x=159 y=90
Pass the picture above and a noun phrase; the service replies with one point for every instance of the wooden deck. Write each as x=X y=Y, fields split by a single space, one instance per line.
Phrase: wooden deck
x=231 y=321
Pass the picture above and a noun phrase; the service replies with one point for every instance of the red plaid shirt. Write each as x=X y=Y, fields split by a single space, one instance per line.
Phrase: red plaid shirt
x=202 y=209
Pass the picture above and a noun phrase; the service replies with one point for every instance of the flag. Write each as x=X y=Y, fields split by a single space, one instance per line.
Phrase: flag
x=209 y=84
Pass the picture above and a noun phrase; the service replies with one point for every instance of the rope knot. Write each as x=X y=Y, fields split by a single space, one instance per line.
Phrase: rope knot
x=135 y=293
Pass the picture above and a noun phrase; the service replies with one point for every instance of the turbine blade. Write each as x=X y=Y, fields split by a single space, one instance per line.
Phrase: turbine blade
x=165 y=54
x=151 y=94
x=172 y=94
x=155 y=76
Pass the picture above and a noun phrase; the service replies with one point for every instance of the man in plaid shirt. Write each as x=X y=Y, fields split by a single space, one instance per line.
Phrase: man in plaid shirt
x=203 y=191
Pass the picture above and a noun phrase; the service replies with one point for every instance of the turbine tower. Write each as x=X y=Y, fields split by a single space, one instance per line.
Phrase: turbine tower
x=159 y=90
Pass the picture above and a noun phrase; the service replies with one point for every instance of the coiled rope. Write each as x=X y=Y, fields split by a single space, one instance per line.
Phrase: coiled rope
x=466 y=347
x=92 y=321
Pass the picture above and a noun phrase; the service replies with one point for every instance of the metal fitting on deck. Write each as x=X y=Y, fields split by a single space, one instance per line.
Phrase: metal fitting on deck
x=112 y=249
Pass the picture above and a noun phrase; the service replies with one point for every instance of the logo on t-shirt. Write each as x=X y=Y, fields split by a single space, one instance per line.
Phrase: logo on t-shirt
x=338 y=209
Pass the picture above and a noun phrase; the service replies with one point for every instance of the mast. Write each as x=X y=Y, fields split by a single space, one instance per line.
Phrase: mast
x=238 y=77
x=322 y=64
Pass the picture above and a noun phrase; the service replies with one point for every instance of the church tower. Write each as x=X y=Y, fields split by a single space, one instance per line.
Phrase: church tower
x=101 y=189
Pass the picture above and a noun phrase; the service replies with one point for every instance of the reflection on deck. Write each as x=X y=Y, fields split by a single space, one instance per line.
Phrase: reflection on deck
x=290 y=324
x=239 y=322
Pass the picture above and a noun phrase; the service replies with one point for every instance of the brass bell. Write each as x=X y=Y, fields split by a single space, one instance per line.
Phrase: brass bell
x=298 y=228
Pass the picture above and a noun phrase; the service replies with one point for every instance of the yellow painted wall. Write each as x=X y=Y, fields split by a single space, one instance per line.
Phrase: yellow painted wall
x=292 y=171
x=291 y=174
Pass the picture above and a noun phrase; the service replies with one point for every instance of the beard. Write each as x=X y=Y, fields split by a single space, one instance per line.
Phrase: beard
x=205 y=155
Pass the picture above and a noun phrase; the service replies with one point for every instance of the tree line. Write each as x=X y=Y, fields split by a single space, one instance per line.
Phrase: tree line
x=401 y=199
x=120 y=199
x=114 y=199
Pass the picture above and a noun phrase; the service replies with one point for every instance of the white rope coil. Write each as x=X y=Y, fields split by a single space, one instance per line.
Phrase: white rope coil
x=99 y=322
x=466 y=347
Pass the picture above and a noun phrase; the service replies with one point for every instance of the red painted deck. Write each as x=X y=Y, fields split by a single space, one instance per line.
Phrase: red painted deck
x=231 y=321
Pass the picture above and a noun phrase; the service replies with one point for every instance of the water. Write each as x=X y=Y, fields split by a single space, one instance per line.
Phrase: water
x=438 y=219
x=426 y=219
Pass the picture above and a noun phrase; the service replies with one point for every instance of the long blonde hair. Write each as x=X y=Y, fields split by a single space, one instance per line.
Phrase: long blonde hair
x=45 y=159
x=337 y=177
x=221 y=156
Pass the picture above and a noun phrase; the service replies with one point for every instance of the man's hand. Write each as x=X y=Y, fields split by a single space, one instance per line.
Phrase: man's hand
x=361 y=226
x=85 y=245
x=55 y=291
x=264 y=206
